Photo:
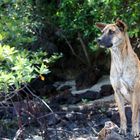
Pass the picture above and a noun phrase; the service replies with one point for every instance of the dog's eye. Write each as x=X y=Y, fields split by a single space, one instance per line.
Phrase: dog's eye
x=111 y=32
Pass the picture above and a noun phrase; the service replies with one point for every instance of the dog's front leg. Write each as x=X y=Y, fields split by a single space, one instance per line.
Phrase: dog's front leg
x=135 y=115
x=120 y=102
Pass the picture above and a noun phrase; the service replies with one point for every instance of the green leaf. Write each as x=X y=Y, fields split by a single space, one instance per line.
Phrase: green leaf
x=1 y=38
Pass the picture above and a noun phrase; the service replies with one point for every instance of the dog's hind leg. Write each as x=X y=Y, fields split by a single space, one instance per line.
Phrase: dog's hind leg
x=120 y=102
x=135 y=116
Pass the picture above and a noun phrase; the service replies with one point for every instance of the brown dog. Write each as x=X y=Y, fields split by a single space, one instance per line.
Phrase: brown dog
x=125 y=71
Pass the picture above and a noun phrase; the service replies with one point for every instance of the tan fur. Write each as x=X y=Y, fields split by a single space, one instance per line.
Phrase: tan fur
x=125 y=76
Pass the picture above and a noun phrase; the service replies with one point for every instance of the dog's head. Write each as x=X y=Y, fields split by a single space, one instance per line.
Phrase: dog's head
x=112 y=34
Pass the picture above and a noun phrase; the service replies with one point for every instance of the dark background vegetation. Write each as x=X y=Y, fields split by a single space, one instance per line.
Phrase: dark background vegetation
x=44 y=41
x=70 y=25
x=66 y=27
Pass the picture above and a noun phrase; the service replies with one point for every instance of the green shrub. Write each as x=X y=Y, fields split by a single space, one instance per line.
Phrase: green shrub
x=74 y=21
x=18 y=22
x=19 y=67
x=22 y=21
x=80 y=16
x=19 y=27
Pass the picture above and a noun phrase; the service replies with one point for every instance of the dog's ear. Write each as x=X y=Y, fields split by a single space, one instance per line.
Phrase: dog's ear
x=122 y=26
x=101 y=26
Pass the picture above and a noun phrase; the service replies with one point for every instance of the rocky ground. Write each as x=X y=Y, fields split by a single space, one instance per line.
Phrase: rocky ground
x=86 y=114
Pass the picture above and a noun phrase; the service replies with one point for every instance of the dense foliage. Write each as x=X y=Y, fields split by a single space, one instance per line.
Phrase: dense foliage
x=18 y=22
x=82 y=15
x=73 y=21
x=77 y=18
x=18 y=65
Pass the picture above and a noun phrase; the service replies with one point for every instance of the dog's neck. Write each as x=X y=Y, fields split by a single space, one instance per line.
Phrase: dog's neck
x=120 y=52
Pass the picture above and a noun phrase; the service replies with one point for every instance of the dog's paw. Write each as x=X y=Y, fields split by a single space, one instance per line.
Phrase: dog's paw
x=135 y=133
x=122 y=131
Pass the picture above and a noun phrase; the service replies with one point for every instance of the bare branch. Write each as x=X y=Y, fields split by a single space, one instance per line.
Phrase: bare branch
x=84 y=49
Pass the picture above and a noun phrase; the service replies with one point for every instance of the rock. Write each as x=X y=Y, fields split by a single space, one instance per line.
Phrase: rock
x=88 y=138
x=65 y=98
x=106 y=132
x=48 y=90
x=2 y=113
x=104 y=80
x=35 y=137
x=88 y=78
x=114 y=136
x=110 y=132
x=74 y=100
x=113 y=114
x=45 y=87
x=90 y=95
x=52 y=119
x=100 y=120
x=74 y=117
x=65 y=87
x=106 y=90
